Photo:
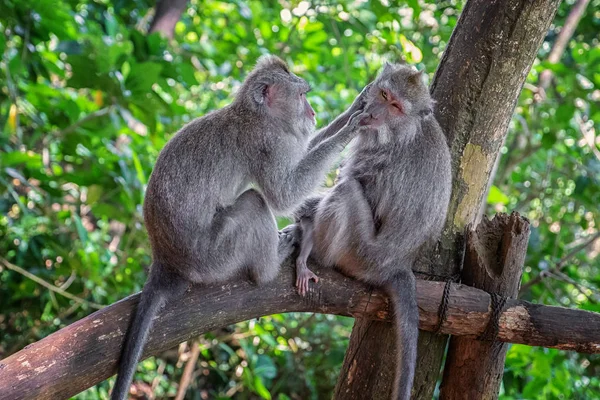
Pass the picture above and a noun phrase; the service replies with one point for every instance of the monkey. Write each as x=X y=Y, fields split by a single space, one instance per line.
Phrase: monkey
x=210 y=201
x=390 y=202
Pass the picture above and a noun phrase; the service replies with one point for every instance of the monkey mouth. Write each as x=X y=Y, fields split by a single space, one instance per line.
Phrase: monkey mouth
x=373 y=121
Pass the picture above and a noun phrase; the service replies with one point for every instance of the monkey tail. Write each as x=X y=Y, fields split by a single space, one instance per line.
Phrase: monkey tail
x=158 y=290
x=402 y=292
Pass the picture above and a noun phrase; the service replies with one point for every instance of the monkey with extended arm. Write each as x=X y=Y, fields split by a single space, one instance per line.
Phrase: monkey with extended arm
x=204 y=222
x=391 y=199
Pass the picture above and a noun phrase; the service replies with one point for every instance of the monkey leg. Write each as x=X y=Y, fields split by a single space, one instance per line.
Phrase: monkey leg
x=244 y=237
x=303 y=274
x=345 y=231
x=369 y=256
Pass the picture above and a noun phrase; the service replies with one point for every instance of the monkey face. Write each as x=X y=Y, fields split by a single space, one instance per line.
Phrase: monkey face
x=397 y=93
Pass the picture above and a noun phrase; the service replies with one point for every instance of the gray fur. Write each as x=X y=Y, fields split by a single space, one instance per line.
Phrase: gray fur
x=210 y=199
x=391 y=199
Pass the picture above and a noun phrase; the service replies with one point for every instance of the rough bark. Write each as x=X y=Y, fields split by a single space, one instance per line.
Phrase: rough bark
x=476 y=86
x=166 y=16
x=86 y=352
x=494 y=260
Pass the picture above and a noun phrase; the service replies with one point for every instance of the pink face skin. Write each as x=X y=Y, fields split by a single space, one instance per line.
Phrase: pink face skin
x=308 y=110
x=383 y=106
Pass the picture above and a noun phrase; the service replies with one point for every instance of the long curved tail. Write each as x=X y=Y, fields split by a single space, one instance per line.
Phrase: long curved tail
x=159 y=289
x=402 y=292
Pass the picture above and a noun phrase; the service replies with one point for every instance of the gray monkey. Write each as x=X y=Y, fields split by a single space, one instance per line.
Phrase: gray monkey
x=390 y=201
x=209 y=201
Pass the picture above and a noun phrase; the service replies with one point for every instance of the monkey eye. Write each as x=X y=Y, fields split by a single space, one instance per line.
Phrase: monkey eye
x=384 y=95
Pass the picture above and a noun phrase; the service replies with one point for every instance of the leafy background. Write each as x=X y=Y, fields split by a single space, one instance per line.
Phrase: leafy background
x=88 y=99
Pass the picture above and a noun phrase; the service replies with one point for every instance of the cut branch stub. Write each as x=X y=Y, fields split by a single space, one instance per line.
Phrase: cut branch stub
x=494 y=258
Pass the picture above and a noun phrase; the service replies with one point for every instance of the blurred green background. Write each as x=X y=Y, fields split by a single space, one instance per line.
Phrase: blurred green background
x=88 y=98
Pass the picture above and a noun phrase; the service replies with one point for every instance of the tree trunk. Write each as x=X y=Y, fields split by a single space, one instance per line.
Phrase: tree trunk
x=494 y=262
x=166 y=15
x=86 y=352
x=476 y=86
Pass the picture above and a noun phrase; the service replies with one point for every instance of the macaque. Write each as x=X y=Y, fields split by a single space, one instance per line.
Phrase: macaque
x=210 y=202
x=390 y=201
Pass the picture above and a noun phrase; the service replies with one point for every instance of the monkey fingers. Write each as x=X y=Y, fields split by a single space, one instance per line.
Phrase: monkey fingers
x=361 y=100
x=303 y=277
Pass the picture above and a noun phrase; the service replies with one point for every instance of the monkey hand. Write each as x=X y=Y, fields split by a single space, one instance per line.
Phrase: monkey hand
x=289 y=237
x=303 y=276
x=361 y=100
x=359 y=119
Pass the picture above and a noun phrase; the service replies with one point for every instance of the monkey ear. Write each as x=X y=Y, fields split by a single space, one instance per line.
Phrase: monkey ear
x=415 y=78
x=387 y=68
x=262 y=93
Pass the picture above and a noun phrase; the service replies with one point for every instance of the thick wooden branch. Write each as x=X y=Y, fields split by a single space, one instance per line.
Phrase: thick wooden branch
x=86 y=352
x=167 y=13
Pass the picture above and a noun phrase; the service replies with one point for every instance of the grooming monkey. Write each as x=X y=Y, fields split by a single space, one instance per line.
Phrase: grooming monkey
x=204 y=222
x=391 y=199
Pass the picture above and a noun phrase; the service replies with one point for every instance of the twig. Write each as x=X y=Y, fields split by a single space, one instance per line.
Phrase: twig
x=561 y=43
x=581 y=288
x=188 y=371
x=14 y=97
x=162 y=364
x=36 y=329
x=589 y=136
x=562 y=263
x=340 y=41
x=49 y=286
x=69 y=280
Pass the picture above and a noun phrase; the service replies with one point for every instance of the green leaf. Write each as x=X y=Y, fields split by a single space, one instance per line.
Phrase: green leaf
x=260 y=388
x=265 y=367
x=29 y=158
x=142 y=77
x=496 y=196
x=138 y=169
x=93 y=194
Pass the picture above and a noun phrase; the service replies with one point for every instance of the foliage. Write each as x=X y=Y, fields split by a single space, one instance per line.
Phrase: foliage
x=88 y=100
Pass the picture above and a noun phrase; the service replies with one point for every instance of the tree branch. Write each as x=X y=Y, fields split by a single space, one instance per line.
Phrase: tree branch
x=166 y=16
x=86 y=352
x=562 y=41
x=48 y=285
x=190 y=365
x=562 y=263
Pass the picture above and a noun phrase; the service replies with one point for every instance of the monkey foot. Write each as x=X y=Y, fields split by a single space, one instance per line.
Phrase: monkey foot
x=303 y=276
x=288 y=238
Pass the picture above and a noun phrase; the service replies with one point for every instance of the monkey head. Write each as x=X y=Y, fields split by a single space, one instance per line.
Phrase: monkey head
x=272 y=89
x=396 y=98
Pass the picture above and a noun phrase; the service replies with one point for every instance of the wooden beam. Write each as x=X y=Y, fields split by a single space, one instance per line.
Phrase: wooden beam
x=86 y=352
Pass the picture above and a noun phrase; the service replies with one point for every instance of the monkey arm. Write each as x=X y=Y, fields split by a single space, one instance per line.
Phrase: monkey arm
x=330 y=129
x=357 y=211
x=308 y=208
x=338 y=123
x=284 y=188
